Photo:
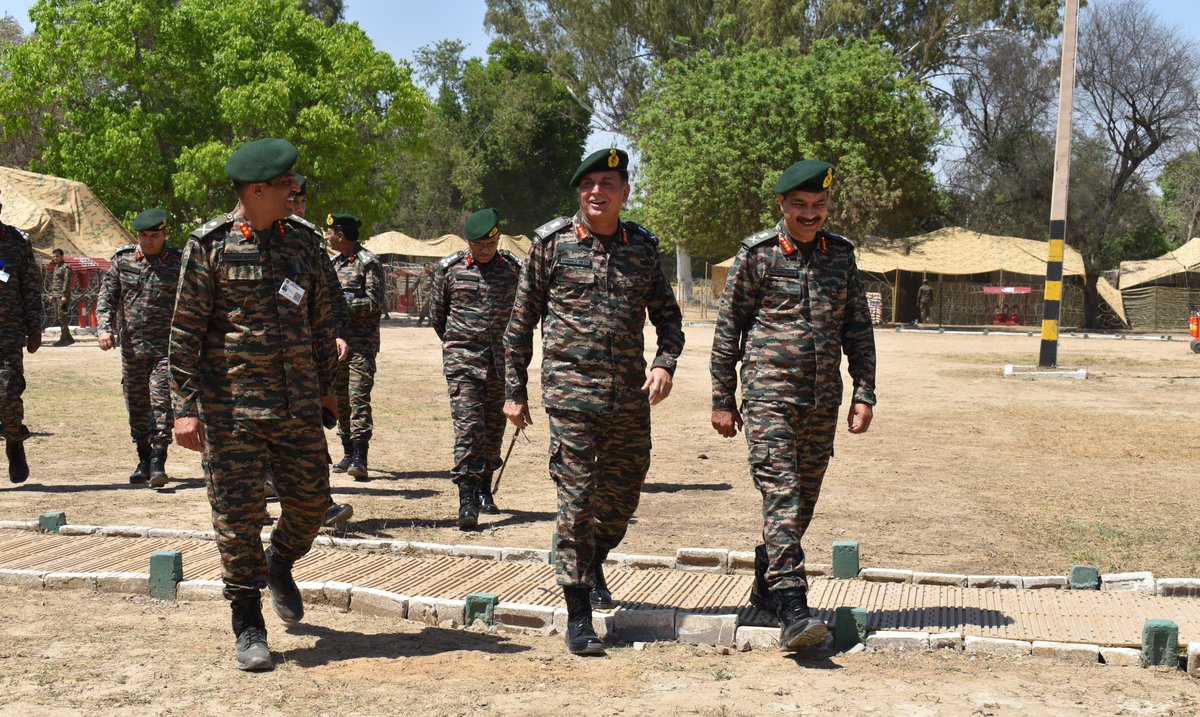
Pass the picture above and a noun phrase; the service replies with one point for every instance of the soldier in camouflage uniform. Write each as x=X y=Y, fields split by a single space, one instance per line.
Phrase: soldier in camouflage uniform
x=591 y=280
x=424 y=289
x=337 y=512
x=22 y=307
x=136 y=300
x=360 y=281
x=252 y=359
x=473 y=292
x=925 y=302
x=793 y=303
x=60 y=296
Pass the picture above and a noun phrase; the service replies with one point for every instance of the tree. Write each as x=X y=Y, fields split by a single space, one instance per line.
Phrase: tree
x=151 y=97
x=716 y=131
x=1140 y=104
x=327 y=11
x=502 y=133
x=1180 y=187
x=16 y=151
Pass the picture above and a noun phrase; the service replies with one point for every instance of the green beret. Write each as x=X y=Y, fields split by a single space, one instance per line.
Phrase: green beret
x=606 y=160
x=347 y=223
x=809 y=175
x=261 y=160
x=483 y=224
x=302 y=181
x=150 y=220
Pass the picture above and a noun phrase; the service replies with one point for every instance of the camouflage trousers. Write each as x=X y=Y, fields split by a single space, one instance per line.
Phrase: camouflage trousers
x=598 y=462
x=12 y=385
x=147 y=398
x=355 y=379
x=790 y=447
x=62 y=315
x=477 y=408
x=235 y=456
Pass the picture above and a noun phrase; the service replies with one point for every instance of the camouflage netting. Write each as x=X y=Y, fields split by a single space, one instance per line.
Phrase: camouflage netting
x=1158 y=293
x=408 y=249
x=61 y=213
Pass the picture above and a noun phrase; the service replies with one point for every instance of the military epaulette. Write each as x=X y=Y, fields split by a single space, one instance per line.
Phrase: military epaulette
x=451 y=260
x=212 y=226
x=173 y=251
x=639 y=229
x=13 y=231
x=840 y=238
x=760 y=238
x=509 y=257
x=125 y=250
x=552 y=227
x=366 y=257
x=304 y=223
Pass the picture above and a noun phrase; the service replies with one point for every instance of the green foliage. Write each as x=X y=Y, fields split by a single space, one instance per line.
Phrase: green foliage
x=152 y=96
x=327 y=11
x=715 y=132
x=1180 y=204
x=502 y=133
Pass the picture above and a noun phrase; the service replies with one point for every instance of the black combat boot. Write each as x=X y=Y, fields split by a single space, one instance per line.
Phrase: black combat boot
x=338 y=513
x=761 y=596
x=581 y=636
x=600 y=597
x=285 y=595
x=141 y=474
x=347 y=457
x=468 y=505
x=158 y=467
x=799 y=629
x=487 y=503
x=252 y=651
x=358 y=461
x=18 y=467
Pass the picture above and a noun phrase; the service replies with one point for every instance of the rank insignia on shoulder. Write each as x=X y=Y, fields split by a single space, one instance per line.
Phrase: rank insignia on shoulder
x=760 y=238
x=639 y=229
x=453 y=258
x=839 y=238
x=552 y=227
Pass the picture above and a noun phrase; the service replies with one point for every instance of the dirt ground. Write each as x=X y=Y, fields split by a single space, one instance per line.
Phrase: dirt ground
x=962 y=471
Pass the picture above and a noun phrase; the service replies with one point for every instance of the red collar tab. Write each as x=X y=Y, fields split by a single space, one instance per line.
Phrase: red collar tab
x=279 y=227
x=139 y=254
x=470 y=258
x=786 y=245
x=244 y=228
x=351 y=258
x=624 y=235
x=824 y=246
x=581 y=232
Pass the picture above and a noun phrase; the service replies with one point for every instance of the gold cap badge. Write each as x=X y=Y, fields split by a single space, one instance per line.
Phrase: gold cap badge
x=828 y=180
x=613 y=159
x=329 y=220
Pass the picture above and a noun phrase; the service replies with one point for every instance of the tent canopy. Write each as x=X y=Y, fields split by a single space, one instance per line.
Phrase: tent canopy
x=957 y=251
x=1184 y=259
x=400 y=244
x=59 y=213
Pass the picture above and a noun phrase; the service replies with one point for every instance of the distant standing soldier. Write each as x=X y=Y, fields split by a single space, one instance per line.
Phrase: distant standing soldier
x=925 y=301
x=591 y=280
x=793 y=303
x=424 y=289
x=360 y=279
x=136 y=300
x=473 y=292
x=252 y=361
x=22 y=310
x=60 y=296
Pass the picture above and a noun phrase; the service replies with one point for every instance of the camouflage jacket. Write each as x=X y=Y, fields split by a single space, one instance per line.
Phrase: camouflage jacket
x=137 y=298
x=788 y=319
x=360 y=285
x=240 y=349
x=469 y=311
x=22 y=302
x=60 y=282
x=592 y=301
x=341 y=314
x=424 y=286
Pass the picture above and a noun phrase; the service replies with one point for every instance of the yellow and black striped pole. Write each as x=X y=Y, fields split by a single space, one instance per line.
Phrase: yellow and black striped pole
x=1052 y=298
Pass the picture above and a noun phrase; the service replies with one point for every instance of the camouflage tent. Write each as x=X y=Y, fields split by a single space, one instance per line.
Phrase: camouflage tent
x=399 y=246
x=61 y=213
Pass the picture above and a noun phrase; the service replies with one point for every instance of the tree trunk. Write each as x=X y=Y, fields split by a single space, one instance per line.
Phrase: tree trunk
x=683 y=274
x=1091 y=299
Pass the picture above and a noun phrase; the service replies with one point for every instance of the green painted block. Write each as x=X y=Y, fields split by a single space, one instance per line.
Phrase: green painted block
x=849 y=627
x=1160 y=643
x=480 y=606
x=845 y=559
x=1084 y=577
x=166 y=572
x=51 y=522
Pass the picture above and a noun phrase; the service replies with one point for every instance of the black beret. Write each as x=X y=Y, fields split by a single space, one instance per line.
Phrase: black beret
x=150 y=220
x=261 y=160
x=606 y=160
x=345 y=222
x=302 y=182
x=483 y=224
x=809 y=175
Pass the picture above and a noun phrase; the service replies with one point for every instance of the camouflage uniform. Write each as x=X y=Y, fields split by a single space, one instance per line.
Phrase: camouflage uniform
x=252 y=365
x=592 y=297
x=21 y=314
x=360 y=285
x=137 y=297
x=788 y=317
x=424 y=288
x=336 y=298
x=925 y=303
x=470 y=308
x=60 y=288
